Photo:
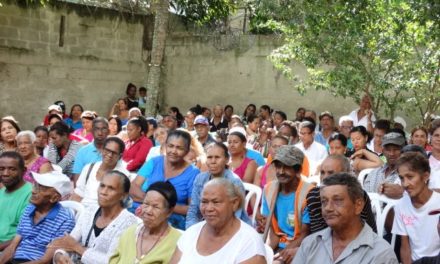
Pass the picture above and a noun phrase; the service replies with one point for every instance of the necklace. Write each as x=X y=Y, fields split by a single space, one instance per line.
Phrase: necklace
x=141 y=235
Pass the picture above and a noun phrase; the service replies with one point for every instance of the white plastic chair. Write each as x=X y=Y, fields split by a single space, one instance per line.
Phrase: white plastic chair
x=363 y=174
x=252 y=190
x=269 y=254
x=381 y=206
x=76 y=208
x=57 y=168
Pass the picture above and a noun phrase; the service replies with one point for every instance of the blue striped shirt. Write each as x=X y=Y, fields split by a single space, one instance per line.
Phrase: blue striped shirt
x=36 y=236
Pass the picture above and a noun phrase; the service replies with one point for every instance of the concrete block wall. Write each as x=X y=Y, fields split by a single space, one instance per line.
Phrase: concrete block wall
x=102 y=54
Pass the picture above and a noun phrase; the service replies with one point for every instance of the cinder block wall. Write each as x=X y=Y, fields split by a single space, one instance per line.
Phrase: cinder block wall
x=102 y=53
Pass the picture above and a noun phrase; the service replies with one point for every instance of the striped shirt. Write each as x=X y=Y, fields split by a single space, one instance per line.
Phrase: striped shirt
x=36 y=236
x=318 y=223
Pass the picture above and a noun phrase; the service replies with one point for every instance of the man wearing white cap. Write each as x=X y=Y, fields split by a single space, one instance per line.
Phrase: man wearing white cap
x=52 y=109
x=42 y=221
x=201 y=124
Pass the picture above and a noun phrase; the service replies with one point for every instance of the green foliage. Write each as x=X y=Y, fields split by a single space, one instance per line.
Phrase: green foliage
x=388 y=49
x=204 y=11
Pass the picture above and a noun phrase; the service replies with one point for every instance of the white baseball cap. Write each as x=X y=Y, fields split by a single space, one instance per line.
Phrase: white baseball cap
x=55 y=107
x=57 y=180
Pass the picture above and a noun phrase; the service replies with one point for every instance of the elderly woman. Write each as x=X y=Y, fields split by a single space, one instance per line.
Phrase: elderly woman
x=241 y=165
x=222 y=237
x=8 y=131
x=137 y=146
x=96 y=234
x=154 y=240
x=412 y=221
x=84 y=134
x=173 y=168
x=216 y=159
x=92 y=174
x=33 y=162
x=62 y=150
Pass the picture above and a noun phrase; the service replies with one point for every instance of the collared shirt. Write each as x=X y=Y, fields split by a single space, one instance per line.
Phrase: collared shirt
x=36 y=236
x=377 y=176
x=363 y=121
x=194 y=215
x=316 y=153
x=85 y=155
x=367 y=247
x=223 y=124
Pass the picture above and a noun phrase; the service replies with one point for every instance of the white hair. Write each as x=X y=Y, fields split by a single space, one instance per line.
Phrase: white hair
x=27 y=133
x=232 y=191
x=345 y=119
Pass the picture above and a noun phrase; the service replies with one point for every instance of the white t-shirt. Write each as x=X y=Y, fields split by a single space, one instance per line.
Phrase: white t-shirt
x=434 y=179
x=316 y=153
x=363 y=121
x=418 y=225
x=245 y=244
x=89 y=191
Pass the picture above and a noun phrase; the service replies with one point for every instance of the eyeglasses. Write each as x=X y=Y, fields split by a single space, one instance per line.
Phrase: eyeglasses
x=110 y=152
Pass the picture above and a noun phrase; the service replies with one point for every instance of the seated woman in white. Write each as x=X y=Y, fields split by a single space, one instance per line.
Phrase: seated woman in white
x=412 y=220
x=221 y=238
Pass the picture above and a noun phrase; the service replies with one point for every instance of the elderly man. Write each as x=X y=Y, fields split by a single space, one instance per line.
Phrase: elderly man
x=284 y=204
x=201 y=125
x=331 y=165
x=14 y=197
x=347 y=239
x=42 y=221
x=92 y=151
x=385 y=179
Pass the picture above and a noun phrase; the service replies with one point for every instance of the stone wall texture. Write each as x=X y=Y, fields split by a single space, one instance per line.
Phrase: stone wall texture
x=101 y=54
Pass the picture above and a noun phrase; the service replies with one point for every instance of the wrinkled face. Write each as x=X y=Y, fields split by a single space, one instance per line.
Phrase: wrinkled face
x=378 y=136
x=8 y=132
x=338 y=210
x=216 y=160
x=100 y=132
x=285 y=174
x=56 y=139
x=336 y=147
x=306 y=135
x=42 y=195
x=216 y=207
x=254 y=125
x=110 y=192
x=154 y=210
x=25 y=146
x=413 y=182
x=113 y=127
x=329 y=167
x=391 y=153
x=202 y=130
x=133 y=131
x=277 y=120
x=111 y=154
x=76 y=112
x=42 y=139
x=10 y=172
x=359 y=141
x=345 y=128
x=160 y=134
x=275 y=144
x=326 y=122
x=176 y=149
x=435 y=139
x=87 y=124
x=420 y=138
x=235 y=145
x=365 y=102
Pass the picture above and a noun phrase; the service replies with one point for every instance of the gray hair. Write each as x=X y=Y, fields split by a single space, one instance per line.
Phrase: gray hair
x=354 y=188
x=232 y=191
x=27 y=133
x=345 y=162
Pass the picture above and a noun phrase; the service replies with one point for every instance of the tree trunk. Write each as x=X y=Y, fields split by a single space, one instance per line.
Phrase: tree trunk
x=160 y=8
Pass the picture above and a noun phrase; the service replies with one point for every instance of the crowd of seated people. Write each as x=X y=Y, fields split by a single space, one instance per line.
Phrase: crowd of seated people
x=175 y=188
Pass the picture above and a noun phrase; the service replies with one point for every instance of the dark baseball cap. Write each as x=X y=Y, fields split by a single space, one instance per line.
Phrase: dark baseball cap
x=289 y=155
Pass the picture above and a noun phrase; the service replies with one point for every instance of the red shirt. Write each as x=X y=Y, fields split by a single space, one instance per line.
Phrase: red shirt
x=136 y=152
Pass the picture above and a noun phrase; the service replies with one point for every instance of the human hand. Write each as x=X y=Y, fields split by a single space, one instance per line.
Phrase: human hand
x=261 y=222
x=357 y=154
x=66 y=242
x=61 y=258
x=391 y=190
x=286 y=255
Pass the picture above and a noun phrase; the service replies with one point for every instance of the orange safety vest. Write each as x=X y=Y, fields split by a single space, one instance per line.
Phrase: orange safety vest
x=271 y=191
